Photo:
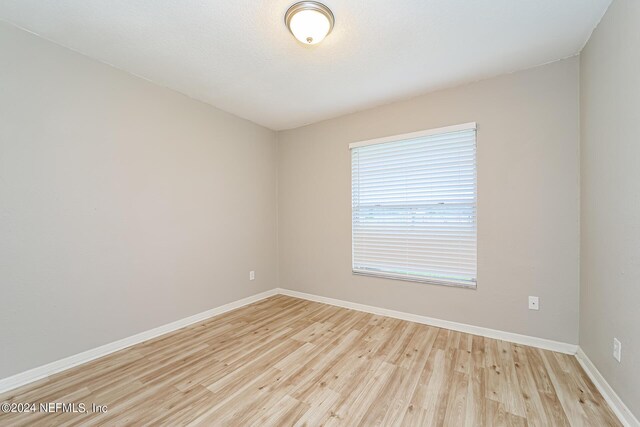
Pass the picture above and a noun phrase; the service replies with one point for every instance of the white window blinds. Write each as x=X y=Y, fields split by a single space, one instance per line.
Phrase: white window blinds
x=414 y=206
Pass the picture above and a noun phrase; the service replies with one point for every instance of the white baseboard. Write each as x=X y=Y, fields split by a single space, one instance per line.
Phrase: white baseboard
x=446 y=324
x=617 y=405
x=40 y=372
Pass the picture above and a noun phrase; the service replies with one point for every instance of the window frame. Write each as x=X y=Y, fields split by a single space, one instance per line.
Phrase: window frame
x=398 y=138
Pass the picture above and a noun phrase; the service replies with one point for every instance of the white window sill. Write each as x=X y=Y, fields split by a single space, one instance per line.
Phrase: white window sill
x=429 y=281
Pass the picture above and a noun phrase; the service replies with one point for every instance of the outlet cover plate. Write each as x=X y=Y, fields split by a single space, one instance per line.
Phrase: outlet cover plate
x=617 y=349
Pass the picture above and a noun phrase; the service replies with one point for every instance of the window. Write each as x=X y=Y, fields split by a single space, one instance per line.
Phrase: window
x=414 y=206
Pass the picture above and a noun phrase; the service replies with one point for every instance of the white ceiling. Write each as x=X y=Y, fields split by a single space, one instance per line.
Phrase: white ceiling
x=238 y=55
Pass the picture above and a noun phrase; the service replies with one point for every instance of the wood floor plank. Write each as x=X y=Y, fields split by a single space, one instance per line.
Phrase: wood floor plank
x=533 y=405
x=513 y=395
x=573 y=410
x=287 y=361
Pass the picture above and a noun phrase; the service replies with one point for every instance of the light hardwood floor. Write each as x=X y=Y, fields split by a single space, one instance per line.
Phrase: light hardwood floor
x=285 y=361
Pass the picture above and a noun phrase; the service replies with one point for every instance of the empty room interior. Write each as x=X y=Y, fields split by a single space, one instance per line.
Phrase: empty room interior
x=334 y=213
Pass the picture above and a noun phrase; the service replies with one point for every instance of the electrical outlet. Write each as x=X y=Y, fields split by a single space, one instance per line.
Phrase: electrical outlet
x=252 y=275
x=617 y=349
x=534 y=303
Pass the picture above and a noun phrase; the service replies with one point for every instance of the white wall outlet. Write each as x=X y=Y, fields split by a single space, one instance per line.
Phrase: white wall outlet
x=534 y=303
x=617 y=349
x=252 y=275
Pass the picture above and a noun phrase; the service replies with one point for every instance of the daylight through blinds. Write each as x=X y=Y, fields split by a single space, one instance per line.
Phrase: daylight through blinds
x=414 y=207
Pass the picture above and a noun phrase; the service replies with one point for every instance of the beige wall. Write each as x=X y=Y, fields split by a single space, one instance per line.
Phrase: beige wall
x=610 y=213
x=123 y=205
x=528 y=208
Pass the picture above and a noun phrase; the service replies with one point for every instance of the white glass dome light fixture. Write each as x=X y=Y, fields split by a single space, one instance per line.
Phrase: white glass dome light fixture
x=309 y=21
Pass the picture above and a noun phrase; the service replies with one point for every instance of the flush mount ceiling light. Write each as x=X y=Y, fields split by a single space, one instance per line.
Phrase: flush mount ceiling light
x=309 y=21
